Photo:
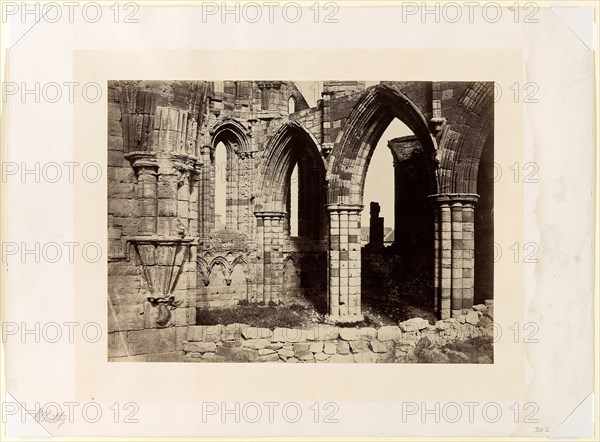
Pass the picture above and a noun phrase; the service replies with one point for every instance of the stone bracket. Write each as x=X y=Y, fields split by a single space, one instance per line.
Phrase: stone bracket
x=164 y=304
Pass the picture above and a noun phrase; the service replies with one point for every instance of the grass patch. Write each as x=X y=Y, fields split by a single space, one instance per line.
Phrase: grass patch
x=258 y=315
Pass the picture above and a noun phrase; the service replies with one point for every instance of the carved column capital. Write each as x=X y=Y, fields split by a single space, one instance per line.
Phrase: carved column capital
x=344 y=208
x=451 y=198
x=143 y=162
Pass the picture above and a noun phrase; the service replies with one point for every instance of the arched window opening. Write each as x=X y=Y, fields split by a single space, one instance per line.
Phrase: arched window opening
x=220 y=159
x=291 y=105
x=293 y=202
x=400 y=220
x=380 y=184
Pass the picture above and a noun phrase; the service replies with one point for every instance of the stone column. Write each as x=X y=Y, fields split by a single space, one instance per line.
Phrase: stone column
x=195 y=183
x=454 y=253
x=344 y=263
x=168 y=174
x=437 y=260
x=376 y=225
x=270 y=231
x=206 y=217
x=468 y=254
x=456 y=304
x=245 y=193
x=146 y=170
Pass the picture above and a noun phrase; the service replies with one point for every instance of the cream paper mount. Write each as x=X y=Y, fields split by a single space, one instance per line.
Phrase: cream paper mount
x=163 y=282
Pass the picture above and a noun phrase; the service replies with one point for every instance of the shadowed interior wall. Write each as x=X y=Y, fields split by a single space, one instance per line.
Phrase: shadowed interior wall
x=484 y=226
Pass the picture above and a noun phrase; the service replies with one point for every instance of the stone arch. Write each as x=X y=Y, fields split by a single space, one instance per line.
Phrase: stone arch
x=294 y=257
x=222 y=263
x=356 y=142
x=239 y=260
x=293 y=144
x=464 y=137
x=236 y=139
x=232 y=133
x=348 y=166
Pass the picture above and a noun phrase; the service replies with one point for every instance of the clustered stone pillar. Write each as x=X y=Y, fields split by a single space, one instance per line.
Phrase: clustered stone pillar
x=454 y=253
x=270 y=239
x=205 y=206
x=168 y=174
x=246 y=167
x=344 y=262
x=167 y=196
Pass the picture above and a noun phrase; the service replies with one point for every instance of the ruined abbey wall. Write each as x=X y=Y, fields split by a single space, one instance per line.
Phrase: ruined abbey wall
x=167 y=255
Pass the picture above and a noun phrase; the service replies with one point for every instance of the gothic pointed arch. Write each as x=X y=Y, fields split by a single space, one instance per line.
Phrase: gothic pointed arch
x=464 y=138
x=232 y=133
x=356 y=142
x=225 y=178
x=293 y=145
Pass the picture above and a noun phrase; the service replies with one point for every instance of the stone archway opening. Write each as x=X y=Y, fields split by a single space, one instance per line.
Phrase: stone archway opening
x=221 y=184
x=397 y=228
x=293 y=203
x=224 y=203
x=294 y=259
x=352 y=153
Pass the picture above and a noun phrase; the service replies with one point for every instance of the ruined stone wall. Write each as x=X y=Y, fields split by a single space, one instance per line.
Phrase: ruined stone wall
x=228 y=273
x=161 y=188
x=152 y=213
x=403 y=343
x=125 y=278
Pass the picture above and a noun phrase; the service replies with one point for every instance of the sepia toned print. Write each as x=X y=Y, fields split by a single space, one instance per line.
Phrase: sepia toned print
x=241 y=227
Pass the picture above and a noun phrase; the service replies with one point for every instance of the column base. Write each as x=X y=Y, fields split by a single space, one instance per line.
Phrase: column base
x=344 y=319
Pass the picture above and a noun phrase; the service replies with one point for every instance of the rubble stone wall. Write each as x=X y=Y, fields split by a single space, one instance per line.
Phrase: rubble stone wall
x=329 y=343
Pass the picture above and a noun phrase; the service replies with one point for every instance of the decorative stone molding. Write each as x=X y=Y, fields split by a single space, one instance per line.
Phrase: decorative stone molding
x=326 y=148
x=246 y=155
x=437 y=124
x=162 y=261
x=269 y=84
x=232 y=122
x=164 y=305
